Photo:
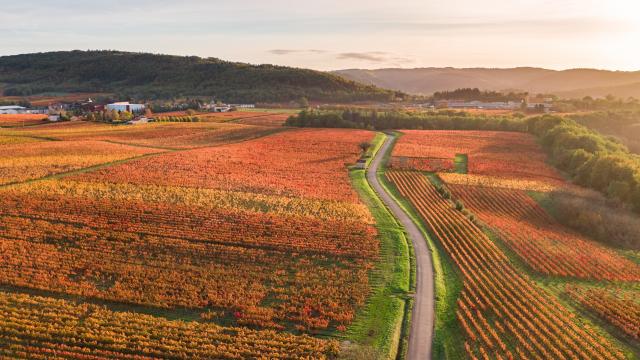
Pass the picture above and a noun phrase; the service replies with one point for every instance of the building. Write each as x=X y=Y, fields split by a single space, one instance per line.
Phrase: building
x=494 y=105
x=13 y=110
x=216 y=107
x=126 y=106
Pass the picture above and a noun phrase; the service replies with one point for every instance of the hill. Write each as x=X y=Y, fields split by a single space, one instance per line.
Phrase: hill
x=574 y=82
x=164 y=76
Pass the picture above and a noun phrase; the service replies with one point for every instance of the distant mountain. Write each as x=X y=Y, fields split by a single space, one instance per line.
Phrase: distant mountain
x=164 y=76
x=575 y=82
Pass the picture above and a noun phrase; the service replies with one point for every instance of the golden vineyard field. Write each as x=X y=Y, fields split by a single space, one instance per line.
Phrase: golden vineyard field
x=251 y=240
x=178 y=241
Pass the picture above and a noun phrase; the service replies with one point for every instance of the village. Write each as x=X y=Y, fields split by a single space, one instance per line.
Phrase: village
x=127 y=112
x=121 y=111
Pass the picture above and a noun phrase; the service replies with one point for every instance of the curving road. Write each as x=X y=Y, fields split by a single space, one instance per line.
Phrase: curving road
x=422 y=319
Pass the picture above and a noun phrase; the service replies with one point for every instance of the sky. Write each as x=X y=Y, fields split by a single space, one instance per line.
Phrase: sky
x=339 y=34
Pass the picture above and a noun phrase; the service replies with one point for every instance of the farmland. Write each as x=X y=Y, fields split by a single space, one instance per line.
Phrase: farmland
x=21 y=120
x=523 y=273
x=178 y=233
x=246 y=239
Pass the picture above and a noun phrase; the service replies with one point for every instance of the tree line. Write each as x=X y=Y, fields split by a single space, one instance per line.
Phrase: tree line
x=385 y=120
x=470 y=94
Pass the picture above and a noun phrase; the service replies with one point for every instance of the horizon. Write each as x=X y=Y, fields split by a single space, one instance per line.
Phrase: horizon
x=341 y=69
x=334 y=36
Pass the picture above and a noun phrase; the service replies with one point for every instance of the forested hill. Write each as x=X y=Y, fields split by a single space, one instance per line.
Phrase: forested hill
x=164 y=76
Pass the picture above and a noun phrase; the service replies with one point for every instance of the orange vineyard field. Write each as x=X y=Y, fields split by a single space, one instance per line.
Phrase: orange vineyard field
x=618 y=308
x=21 y=120
x=492 y=153
x=503 y=313
x=292 y=168
x=542 y=243
x=518 y=264
x=183 y=236
x=167 y=136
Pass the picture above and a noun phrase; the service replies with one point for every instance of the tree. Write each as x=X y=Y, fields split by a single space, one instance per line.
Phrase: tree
x=619 y=190
x=126 y=116
x=364 y=146
x=114 y=115
x=303 y=102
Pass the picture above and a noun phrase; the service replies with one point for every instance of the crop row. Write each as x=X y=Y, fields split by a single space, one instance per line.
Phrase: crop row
x=311 y=273
x=504 y=154
x=35 y=160
x=540 y=241
x=33 y=327
x=503 y=313
x=617 y=309
x=304 y=163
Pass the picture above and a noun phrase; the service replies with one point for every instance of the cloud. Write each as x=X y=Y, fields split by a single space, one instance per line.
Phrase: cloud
x=295 y=51
x=375 y=57
x=372 y=56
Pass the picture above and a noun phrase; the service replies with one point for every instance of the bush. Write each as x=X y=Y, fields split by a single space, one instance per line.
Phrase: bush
x=598 y=218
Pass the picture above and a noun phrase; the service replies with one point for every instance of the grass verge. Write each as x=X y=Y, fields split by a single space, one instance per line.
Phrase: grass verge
x=379 y=324
x=447 y=282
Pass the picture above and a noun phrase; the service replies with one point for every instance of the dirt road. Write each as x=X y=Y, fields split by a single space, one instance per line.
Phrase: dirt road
x=422 y=320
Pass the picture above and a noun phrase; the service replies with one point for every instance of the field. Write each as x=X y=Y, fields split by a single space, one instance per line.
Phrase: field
x=257 y=117
x=523 y=272
x=181 y=235
x=45 y=158
x=541 y=242
x=167 y=136
x=489 y=153
x=7 y=120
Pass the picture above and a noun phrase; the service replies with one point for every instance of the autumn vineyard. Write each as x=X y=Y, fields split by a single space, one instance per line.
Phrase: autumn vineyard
x=241 y=238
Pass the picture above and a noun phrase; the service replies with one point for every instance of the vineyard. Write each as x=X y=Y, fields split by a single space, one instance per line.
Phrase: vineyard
x=616 y=307
x=291 y=169
x=490 y=153
x=508 y=249
x=539 y=240
x=210 y=250
x=45 y=158
x=167 y=136
x=503 y=312
x=22 y=120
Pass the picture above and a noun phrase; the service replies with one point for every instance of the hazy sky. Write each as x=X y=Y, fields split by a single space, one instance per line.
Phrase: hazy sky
x=336 y=34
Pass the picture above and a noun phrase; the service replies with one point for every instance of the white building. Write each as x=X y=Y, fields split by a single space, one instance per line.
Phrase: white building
x=13 y=110
x=495 y=105
x=126 y=106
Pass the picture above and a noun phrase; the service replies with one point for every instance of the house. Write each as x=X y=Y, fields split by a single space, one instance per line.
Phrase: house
x=221 y=108
x=539 y=103
x=54 y=118
x=495 y=105
x=126 y=106
x=243 y=106
x=13 y=110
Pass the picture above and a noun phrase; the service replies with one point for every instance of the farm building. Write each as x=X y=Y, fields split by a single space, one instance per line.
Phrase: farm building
x=126 y=106
x=495 y=105
x=12 y=109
